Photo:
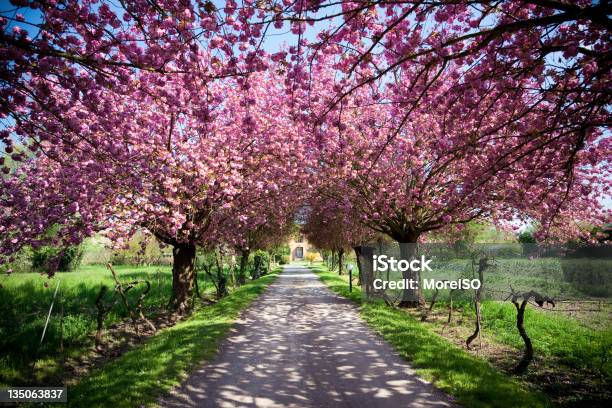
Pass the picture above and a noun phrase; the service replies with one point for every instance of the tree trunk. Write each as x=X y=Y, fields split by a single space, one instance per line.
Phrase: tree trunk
x=102 y=312
x=482 y=265
x=197 y=287
x=269 y=261
x=333 y=260
x=340 y=260
x=528 y=355
x=411 y=297
x=182 y=276
x=244 y=262
x=431 y=306
x=357 y=250
x=365 y=263
x=257 y=265
x=221 y=278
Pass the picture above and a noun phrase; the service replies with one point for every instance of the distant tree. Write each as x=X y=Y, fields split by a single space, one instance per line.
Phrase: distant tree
x=526 y=237
x=335 y=228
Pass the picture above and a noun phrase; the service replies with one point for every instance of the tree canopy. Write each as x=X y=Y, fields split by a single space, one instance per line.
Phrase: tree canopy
x=402 y=117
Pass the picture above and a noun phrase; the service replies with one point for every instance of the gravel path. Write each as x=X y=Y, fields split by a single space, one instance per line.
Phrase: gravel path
x=300 y=345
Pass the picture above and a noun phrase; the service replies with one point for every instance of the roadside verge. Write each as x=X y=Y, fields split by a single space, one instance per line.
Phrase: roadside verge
x=141 y=375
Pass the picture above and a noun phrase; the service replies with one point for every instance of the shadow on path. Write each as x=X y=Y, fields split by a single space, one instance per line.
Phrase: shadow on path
x=300 y=345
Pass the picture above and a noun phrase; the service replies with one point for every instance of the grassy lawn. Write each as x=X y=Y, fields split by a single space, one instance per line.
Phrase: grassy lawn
x=139 y=376
x=471 y=380
x=25 y=300
x=582 y=341
x=554 y=335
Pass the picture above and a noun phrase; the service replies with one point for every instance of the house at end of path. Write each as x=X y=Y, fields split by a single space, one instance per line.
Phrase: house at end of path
x=299 y=247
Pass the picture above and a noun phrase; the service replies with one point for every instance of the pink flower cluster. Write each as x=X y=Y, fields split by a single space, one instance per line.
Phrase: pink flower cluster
x=402 y=117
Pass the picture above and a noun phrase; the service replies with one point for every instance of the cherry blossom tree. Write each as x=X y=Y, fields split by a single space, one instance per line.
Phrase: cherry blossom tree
x=446 y=164
x=265 y=225
x=557 y=51
x=87 y=48
x=334 y=226
x=420 y=115
x=179 y=161
x=548 y=59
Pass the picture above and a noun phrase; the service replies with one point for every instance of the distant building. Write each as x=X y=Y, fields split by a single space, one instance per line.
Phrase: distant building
x=299 y=246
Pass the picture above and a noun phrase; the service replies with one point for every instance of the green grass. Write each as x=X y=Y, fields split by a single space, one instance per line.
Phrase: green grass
x=583 y=343
x=25 y=300
x=552 y=334
x=471 y=380
x=139 y=376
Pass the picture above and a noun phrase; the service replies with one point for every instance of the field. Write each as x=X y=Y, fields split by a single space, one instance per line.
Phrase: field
x=25 y=299
x=571 y=357
x=577 y=331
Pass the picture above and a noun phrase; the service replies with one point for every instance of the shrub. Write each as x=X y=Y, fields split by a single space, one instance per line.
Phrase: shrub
x=528 y=242
x=20 y=262
x=526 y=237
x=263 y=263
x=284 y=260
x=282 y=250
x=50 y=259
x=311 y=256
